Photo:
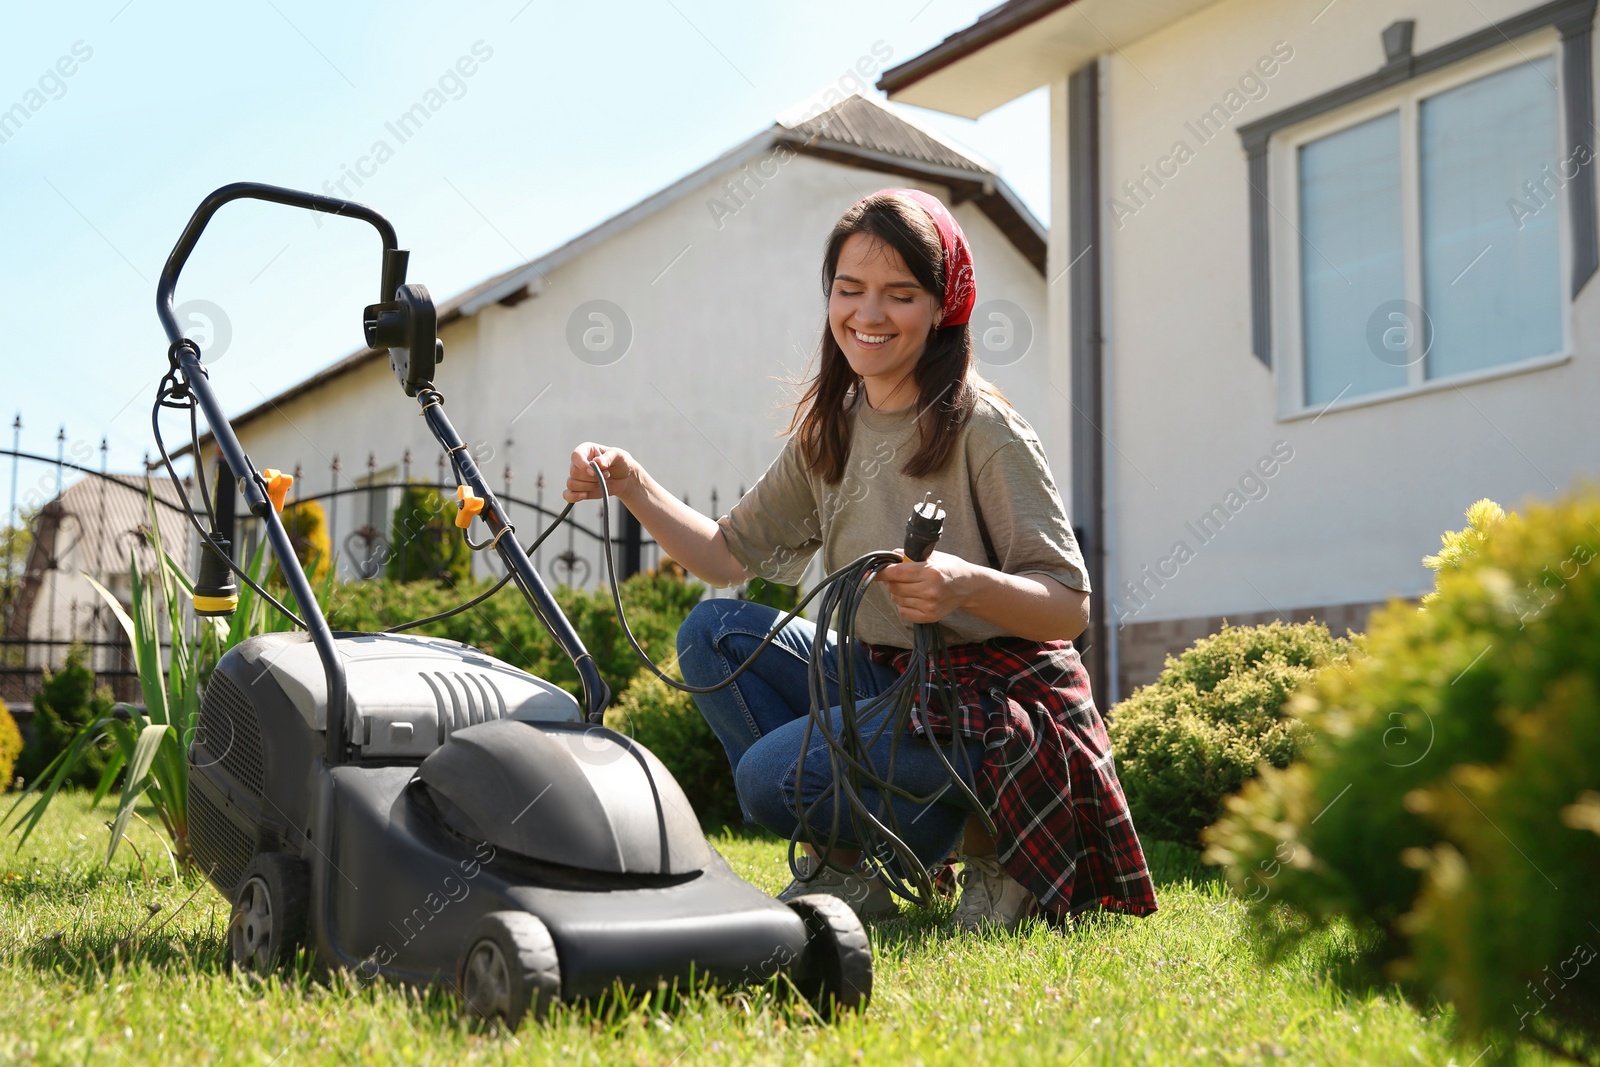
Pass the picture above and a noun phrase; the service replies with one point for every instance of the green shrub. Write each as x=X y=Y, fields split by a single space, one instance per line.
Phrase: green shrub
x=68 y=700
x=10 y=746
x=667 y=722
x=772 y=594
x=670 y=592
x=504 y=626
x=1447 y=809
x=424 y=541
x=1187 y=740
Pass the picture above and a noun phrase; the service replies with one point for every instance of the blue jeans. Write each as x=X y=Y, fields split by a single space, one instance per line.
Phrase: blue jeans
x=761 y=720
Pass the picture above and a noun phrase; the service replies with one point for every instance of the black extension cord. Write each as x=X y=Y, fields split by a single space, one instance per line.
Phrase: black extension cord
x=877 y=832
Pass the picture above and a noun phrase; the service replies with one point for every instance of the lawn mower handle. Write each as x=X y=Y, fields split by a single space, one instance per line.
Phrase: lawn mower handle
x=184 y=354
x=394 y=261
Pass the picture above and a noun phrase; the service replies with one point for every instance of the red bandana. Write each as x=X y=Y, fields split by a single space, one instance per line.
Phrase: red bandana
x=961 y=286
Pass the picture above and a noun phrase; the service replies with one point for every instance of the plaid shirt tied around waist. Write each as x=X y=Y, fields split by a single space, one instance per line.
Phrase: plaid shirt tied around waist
x=1047 y=778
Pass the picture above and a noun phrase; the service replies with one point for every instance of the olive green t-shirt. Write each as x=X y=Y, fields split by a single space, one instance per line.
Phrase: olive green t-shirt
x=1001 y=508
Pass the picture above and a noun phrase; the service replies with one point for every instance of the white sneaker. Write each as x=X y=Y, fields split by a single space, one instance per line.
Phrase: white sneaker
x=990 y=896
x=867 y=896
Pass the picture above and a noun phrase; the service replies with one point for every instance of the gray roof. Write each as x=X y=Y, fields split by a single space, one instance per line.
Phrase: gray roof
x=867 y=123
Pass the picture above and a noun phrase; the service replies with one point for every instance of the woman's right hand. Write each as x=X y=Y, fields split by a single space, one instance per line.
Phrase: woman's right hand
x=623 y=473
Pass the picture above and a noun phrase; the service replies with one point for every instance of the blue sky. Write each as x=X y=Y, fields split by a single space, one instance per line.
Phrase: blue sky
x=571 y=113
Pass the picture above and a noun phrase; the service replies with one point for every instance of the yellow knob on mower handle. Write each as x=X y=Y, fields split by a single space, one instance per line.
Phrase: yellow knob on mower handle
x=471 y=504
x=278 y=485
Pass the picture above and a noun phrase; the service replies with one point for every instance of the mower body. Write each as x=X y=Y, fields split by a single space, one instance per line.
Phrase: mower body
x=470 y=787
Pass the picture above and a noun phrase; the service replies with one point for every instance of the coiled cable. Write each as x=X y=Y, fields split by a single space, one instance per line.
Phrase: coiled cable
x=876 y=826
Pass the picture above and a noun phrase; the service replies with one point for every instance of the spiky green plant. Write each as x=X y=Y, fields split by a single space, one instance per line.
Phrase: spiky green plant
x=151 y=742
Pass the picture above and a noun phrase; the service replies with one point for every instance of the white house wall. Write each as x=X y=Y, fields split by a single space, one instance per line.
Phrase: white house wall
x=718 y=313
x=1368 y=489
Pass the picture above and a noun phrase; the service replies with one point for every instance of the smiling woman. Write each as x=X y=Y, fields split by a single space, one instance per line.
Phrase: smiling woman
x=897 y=414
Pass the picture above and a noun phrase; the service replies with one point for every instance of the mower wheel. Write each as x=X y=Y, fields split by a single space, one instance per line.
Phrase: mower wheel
x=509 y=967
x=837 y=970
x=269 y=912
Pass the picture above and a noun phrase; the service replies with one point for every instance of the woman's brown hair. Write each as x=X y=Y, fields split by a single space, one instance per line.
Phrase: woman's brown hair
x=944 y=372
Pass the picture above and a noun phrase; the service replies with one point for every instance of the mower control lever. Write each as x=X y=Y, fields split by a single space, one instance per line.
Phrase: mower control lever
x=408 y=326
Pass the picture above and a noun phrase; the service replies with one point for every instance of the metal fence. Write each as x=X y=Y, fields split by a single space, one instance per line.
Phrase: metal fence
x=94 y=523
x=361 y=526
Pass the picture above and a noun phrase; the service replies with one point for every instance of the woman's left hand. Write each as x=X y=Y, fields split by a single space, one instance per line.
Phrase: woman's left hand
x=930 y=590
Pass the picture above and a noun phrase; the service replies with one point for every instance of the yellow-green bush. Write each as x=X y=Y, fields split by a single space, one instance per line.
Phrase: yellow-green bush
x=307 y=528
x=1448 y=806
x=1458 y=547
x=10 y=746
x=1191 y=737
x=667 y=722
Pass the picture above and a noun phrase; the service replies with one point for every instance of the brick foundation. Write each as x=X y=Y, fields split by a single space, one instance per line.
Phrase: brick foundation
x=1143 y=647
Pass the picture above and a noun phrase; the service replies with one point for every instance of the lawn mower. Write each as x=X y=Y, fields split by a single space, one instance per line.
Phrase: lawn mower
x=412 y=809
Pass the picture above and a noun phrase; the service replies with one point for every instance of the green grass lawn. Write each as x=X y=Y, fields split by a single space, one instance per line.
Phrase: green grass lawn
x=88 y=972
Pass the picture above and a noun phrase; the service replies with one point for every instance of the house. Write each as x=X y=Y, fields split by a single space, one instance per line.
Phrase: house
x=667 y=330
x=1320 y=276
x=91 y=530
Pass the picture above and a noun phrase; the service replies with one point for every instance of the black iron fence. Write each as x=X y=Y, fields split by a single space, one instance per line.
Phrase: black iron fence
x=23 y=661
x=58 y=529
x=362 y=529
x=363 y=532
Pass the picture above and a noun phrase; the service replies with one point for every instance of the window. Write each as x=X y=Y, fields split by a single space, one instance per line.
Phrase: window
x=1430 y=222
x=1491 y=260
x=1429 y=237
x=1351 y=259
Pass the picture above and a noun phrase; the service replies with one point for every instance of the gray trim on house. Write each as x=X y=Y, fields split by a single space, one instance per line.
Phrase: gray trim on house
x=1577 y=82
x=1260 y=257
x=1087 y=357
x=991 y=26
x=1575 y=21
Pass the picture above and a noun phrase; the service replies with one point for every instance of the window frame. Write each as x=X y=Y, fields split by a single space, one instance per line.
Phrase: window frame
x=1406 y=98
x=1572 y=19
